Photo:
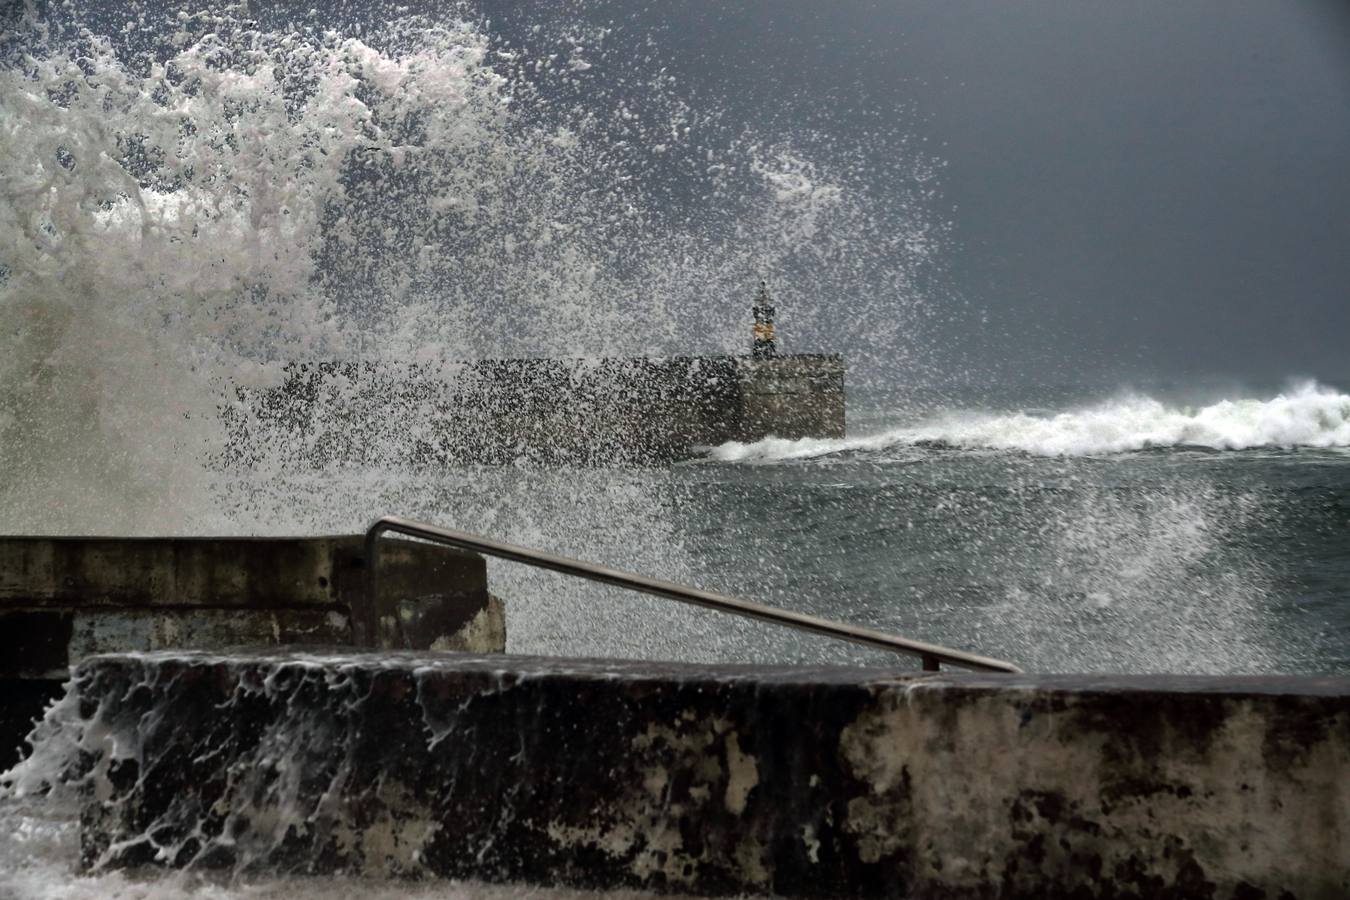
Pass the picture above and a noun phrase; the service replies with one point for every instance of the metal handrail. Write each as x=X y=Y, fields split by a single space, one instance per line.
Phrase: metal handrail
x=931 y=654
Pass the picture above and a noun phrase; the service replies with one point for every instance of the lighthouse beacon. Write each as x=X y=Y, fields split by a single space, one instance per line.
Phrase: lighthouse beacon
x=765 y=339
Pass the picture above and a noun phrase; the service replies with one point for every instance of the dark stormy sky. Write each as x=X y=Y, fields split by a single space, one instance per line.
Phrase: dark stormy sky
x=1142 y=189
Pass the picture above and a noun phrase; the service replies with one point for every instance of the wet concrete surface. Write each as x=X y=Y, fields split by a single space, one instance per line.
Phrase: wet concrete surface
x=715 y=779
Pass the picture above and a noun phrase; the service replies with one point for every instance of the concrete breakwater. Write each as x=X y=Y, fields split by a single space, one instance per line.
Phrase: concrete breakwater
x=718 y=780
x=547 y=411
x=66 y=598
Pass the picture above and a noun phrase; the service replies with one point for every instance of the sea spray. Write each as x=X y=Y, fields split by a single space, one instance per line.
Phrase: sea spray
x=157 y=226
x=1154 y=580
x=191 y=200
x=98 y=740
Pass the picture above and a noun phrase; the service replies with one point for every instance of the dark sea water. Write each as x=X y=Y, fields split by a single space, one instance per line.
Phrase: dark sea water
x=1116 y=534
x=1111 y=535
x=1178 y=558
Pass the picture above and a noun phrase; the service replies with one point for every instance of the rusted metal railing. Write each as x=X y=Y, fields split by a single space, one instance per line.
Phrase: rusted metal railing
x=932 y=655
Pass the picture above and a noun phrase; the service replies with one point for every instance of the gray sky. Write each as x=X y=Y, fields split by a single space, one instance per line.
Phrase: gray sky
x=1163 y=185
x=1139 y=189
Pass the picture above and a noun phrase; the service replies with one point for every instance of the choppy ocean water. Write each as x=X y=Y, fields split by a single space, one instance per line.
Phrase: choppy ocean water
x=1126 y=531
x=1121 y=534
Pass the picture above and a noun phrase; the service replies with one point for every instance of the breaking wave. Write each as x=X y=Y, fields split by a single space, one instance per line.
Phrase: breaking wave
x=1308 y=416
x=189 y=204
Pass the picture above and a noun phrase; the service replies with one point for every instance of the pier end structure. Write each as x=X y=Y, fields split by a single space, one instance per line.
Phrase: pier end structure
x=585 y=412
x=789 y=397
x=722 y=780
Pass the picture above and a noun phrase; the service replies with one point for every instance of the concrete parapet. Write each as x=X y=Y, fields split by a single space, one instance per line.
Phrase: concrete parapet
x=65 y=598
x=119 y=594
x=718 y=780
x=548 y=411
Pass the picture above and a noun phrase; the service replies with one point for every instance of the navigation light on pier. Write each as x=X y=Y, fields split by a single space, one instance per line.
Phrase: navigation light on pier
x=764 y=343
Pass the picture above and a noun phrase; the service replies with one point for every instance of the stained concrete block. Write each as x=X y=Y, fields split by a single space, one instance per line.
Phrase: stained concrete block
x=64 y=598
x=790 y=397
x=717 y=780
x=160 y=592
x=70 y=572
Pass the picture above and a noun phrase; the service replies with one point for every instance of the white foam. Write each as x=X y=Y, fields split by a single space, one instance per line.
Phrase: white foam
x=73 y=749
x=39 y=844
x=186 y=203
x=1306 y=416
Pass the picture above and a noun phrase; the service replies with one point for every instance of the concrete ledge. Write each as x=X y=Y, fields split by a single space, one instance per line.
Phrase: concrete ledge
x=802 y=782
x=65 y=598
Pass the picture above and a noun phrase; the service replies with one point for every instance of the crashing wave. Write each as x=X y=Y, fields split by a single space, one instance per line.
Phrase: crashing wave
x=191 y=204
x=1307 y=416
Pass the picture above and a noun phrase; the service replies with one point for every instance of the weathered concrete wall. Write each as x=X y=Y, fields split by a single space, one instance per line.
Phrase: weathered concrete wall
x=111 y=594
x=65 y=598
x=802 y=782
x=549 y=411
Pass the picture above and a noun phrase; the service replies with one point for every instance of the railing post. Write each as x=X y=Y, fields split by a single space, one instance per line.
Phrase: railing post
x=366 y=621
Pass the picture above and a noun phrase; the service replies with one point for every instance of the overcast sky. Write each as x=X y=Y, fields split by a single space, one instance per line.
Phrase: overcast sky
x=1149 y=188
x=1136 y=188
x=1164 y=185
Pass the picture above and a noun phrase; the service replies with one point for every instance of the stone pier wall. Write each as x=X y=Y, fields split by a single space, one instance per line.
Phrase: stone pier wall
x=545 y=411
x=723 y=780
